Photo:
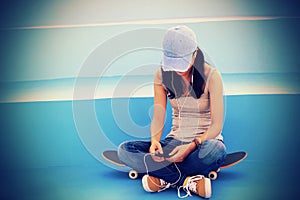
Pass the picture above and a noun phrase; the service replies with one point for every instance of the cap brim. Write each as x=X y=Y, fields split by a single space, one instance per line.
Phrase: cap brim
x=176 y=64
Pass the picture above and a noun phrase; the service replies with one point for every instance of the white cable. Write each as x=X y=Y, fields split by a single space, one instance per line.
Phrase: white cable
x=178 y=105
x=179 y=127
x=147 y=171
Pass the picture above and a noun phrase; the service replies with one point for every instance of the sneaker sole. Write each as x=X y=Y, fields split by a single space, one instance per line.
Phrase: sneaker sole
x=207 y=188
x=145 y=183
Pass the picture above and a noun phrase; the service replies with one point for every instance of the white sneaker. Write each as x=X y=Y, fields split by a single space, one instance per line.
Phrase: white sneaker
x=153 y=184
x=197 y=184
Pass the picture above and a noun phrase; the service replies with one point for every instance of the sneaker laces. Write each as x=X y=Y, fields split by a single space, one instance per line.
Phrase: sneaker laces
x=168 y=184
x=163 y=184
x=190 y=186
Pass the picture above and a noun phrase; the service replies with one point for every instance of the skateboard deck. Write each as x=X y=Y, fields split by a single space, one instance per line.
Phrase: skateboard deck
x=230 y=160
x=112 y=157
x=233 y=159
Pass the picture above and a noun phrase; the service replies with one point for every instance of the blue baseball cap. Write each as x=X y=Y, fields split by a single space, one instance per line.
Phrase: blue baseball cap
x=179 y=44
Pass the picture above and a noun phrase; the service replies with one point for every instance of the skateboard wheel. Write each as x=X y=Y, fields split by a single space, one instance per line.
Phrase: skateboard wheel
x=133 y=174
x=212 y=175
x=219 y=169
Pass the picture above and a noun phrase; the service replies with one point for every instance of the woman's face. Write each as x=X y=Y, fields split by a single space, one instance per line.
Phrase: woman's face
x=187 y=72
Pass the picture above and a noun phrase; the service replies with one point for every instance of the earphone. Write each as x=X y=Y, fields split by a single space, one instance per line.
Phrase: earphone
x=177 y=101
x=179 y=127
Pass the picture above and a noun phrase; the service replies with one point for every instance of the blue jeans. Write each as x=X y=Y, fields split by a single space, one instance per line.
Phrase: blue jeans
x=207 y=157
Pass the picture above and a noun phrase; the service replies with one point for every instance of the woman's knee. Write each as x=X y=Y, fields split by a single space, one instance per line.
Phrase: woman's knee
x=132 y=148
x=122 y=146
x=212 y=151
x=123 y=150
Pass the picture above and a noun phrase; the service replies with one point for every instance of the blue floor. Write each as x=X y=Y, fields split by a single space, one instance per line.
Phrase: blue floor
x=42 y=156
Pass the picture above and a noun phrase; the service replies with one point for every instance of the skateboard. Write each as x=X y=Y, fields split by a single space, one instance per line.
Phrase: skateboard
x=230 y=160
x=112 y=157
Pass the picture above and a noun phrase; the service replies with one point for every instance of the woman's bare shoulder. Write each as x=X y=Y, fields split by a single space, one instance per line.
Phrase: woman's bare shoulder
x=158 y=77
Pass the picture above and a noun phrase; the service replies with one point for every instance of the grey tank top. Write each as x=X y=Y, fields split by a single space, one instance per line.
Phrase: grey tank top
x=190 y=116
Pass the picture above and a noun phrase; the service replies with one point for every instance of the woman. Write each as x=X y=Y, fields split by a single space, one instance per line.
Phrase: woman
x=194 y=146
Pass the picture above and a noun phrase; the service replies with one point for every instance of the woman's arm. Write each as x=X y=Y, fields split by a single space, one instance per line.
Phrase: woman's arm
x=215 y=89
x=157 y=125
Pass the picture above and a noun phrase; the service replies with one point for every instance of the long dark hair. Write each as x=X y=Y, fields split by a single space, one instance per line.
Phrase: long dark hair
x=174 y=83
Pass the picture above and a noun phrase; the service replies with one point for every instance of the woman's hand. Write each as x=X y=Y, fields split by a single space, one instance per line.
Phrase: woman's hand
x=156 y=148
x=181 y=152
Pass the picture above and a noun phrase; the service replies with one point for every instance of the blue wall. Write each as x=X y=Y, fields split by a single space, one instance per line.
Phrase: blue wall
x=235 y=46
